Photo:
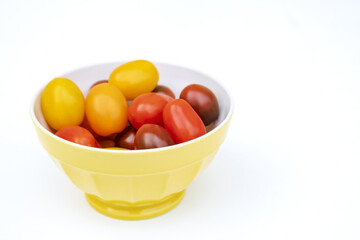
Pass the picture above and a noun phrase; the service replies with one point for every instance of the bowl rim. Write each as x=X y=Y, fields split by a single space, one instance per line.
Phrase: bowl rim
x=137 y=151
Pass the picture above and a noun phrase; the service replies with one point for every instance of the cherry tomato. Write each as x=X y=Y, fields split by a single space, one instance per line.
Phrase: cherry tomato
x=164 y=90
x=182 y=122
x=116 y=148
x=97 y=144
x=77 y=135
x=135 y=78
x=62 y=103
x=106 y=143
x=112 y=136
x=203 y=101
x=147 y=108
x=210 y=127
x=152 y=136
x=126 y=138
x=99 y=82
x=86 y=124
x=106 y=109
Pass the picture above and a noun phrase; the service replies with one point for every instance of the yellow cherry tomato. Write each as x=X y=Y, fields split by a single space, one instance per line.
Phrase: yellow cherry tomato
x=116 y=148
x=135 y=78
x=106 y=109
x=62 y=103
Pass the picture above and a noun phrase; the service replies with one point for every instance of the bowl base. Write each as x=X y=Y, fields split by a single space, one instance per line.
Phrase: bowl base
x=135 y=211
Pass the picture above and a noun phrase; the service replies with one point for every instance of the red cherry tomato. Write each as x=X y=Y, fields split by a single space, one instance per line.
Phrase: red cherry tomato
x=182 y=121
x=164 y=90
x=99 y=82
x=152 y=136
x=147 y=108
x=77 y=135
x=126 y=138
x=203 y=101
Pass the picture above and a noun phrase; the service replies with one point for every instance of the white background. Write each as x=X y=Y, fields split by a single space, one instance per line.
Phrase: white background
x=289 y=168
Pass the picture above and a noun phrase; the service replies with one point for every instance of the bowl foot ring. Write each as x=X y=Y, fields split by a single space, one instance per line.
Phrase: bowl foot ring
x=135 y=211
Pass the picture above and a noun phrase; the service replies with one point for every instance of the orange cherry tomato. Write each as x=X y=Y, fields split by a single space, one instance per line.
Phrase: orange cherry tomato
x=86 y=124
x=99 y=82
x=106 y=109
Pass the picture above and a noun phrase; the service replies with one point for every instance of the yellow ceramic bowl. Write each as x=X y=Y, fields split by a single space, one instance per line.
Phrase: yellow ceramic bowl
x=141 y=183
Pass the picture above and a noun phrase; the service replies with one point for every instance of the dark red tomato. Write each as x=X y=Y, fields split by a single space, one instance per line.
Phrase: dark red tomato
x=99 y=82
x=97 y=144
x=112 y=136
x=164 y=90
x=77 y=135
x=126 y=138
x=210 y=127
x=147 y=108
x=106 y=143
x=203 y=101
x=152 y=136
x=182 y=122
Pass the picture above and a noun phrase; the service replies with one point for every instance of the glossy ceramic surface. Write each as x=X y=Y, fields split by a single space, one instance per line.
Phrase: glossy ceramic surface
x=141 y=183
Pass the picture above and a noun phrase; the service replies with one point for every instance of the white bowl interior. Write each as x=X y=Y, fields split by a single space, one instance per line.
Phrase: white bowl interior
x=174 y=77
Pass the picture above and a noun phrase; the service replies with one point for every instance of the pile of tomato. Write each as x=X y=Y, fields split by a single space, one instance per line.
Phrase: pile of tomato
x=129 y=110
